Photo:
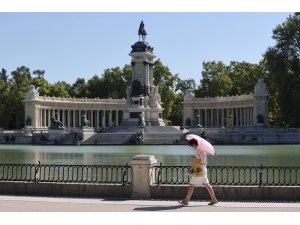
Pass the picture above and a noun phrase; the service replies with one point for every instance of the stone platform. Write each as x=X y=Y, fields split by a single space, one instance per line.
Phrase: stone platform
x=153 y=135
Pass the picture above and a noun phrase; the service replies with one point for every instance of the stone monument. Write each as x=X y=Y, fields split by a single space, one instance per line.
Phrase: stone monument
x=86 y=130
x=143 y=96
x=56 y=128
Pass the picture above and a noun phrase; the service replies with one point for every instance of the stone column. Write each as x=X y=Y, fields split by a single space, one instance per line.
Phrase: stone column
x=117 y=118
x=211 y=117
x=58 y=114
x=74 y=119
x=79 y=117
x=227 y=116
x=63 y=117
x=97 y=118
x=109 y=118
x=218 y=124
x=92 y=118
x=143 y=175
x=222 y=117
x=206 y=111
x=69 y=118
x=44 y=117
x=244 y=116
x=103 y=119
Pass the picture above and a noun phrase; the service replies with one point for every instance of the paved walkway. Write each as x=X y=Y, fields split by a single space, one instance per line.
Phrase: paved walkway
x=58 y=204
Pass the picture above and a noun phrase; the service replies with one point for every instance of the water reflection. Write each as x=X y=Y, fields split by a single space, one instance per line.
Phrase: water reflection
x=268 y=155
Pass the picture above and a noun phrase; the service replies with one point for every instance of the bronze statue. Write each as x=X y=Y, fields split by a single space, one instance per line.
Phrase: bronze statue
x=54 y=123
x=142 y=31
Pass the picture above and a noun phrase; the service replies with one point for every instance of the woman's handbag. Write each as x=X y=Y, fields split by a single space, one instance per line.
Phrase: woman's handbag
x=196 y=169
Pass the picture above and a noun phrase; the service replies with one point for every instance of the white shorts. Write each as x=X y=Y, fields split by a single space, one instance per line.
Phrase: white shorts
x=199 y=181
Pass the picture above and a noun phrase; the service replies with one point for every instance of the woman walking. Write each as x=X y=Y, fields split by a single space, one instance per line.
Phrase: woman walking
x=202 y=147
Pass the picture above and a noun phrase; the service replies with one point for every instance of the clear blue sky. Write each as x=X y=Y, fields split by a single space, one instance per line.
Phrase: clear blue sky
x=71 y=45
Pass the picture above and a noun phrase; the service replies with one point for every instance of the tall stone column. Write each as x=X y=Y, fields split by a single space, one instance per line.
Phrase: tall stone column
x=117 y=118
x=206 y=111
x=74 y=119
x=211 y=117
x=222 y=117
x=92 y=118
x=110 y=118
x=103 y=119
x=63 y=117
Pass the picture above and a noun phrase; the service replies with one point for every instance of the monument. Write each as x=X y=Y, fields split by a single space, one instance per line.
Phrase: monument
x=142 y=96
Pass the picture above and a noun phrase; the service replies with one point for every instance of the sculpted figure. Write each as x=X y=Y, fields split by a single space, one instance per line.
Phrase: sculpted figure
x=142 y=31
x=84 y=121
x=54 y=123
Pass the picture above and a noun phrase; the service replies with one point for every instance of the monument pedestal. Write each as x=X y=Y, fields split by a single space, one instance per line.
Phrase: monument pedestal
x=28 y=130
x=54 y=133
x=87 y=132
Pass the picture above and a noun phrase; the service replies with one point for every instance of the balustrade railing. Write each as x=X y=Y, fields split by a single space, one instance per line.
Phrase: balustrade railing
x=167 y=175
x=117 y=174
x=232 y=175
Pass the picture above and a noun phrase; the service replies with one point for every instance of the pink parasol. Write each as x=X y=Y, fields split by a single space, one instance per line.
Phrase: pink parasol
x=203 y=145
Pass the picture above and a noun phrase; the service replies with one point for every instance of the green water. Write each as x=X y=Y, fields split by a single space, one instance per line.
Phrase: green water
x=254 y=155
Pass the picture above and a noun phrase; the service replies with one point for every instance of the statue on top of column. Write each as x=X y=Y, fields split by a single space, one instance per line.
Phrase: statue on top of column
x=142 y=31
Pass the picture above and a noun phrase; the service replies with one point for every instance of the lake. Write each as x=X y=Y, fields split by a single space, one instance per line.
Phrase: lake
x=244 y=155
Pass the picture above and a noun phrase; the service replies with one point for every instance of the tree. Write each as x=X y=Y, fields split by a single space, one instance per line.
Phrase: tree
x=13 y=114
x=236 y=79
x=215 y=80
x=3 y=95
x=114 y=82
x=184 y=85
x=79 y=89
x=244 y=76
x=166 y=83
x=282 y=64
x=60 y=89
x=39 y=73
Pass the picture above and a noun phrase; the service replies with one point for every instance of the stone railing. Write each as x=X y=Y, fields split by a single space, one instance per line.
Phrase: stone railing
x=224 y=99
x=81 y=100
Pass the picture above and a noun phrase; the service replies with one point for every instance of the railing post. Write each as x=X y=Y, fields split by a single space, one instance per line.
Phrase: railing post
x=37 y=169
x=260 y=176
x=143 y=175
x=159 y=179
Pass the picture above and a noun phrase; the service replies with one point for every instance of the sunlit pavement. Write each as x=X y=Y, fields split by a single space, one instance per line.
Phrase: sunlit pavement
x=59 y=204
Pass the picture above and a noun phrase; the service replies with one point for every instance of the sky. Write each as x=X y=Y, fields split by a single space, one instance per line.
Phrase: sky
x=69 y=45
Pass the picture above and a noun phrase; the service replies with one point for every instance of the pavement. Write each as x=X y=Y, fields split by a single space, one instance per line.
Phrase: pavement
x=67 y=204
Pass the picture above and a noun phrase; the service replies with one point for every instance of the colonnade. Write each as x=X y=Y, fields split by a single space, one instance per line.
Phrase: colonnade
x=224 y=117
x=71 y=118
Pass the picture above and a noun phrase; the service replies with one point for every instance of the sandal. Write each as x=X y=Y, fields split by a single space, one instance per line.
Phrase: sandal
x=213 y=203
x=183 y=202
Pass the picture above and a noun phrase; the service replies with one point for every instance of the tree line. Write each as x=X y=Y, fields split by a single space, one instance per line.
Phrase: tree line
x=279 y=67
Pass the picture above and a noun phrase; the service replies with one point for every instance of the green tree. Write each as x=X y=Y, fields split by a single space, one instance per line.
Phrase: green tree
x=3 y=96
x=79 y=89
x=282 y=64
x=114 y=82
x=244 y=77
x=166 y=83
x=40 y=83
x=184 y=85
x=18 y=85
x=215 y=80
x=60 y=89
x=236 y=79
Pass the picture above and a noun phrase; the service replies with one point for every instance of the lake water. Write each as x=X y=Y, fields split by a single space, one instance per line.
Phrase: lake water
x=253 y=155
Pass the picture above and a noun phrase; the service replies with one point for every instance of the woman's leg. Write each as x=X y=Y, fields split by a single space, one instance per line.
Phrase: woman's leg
x=189 y=194
x=213 y=199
